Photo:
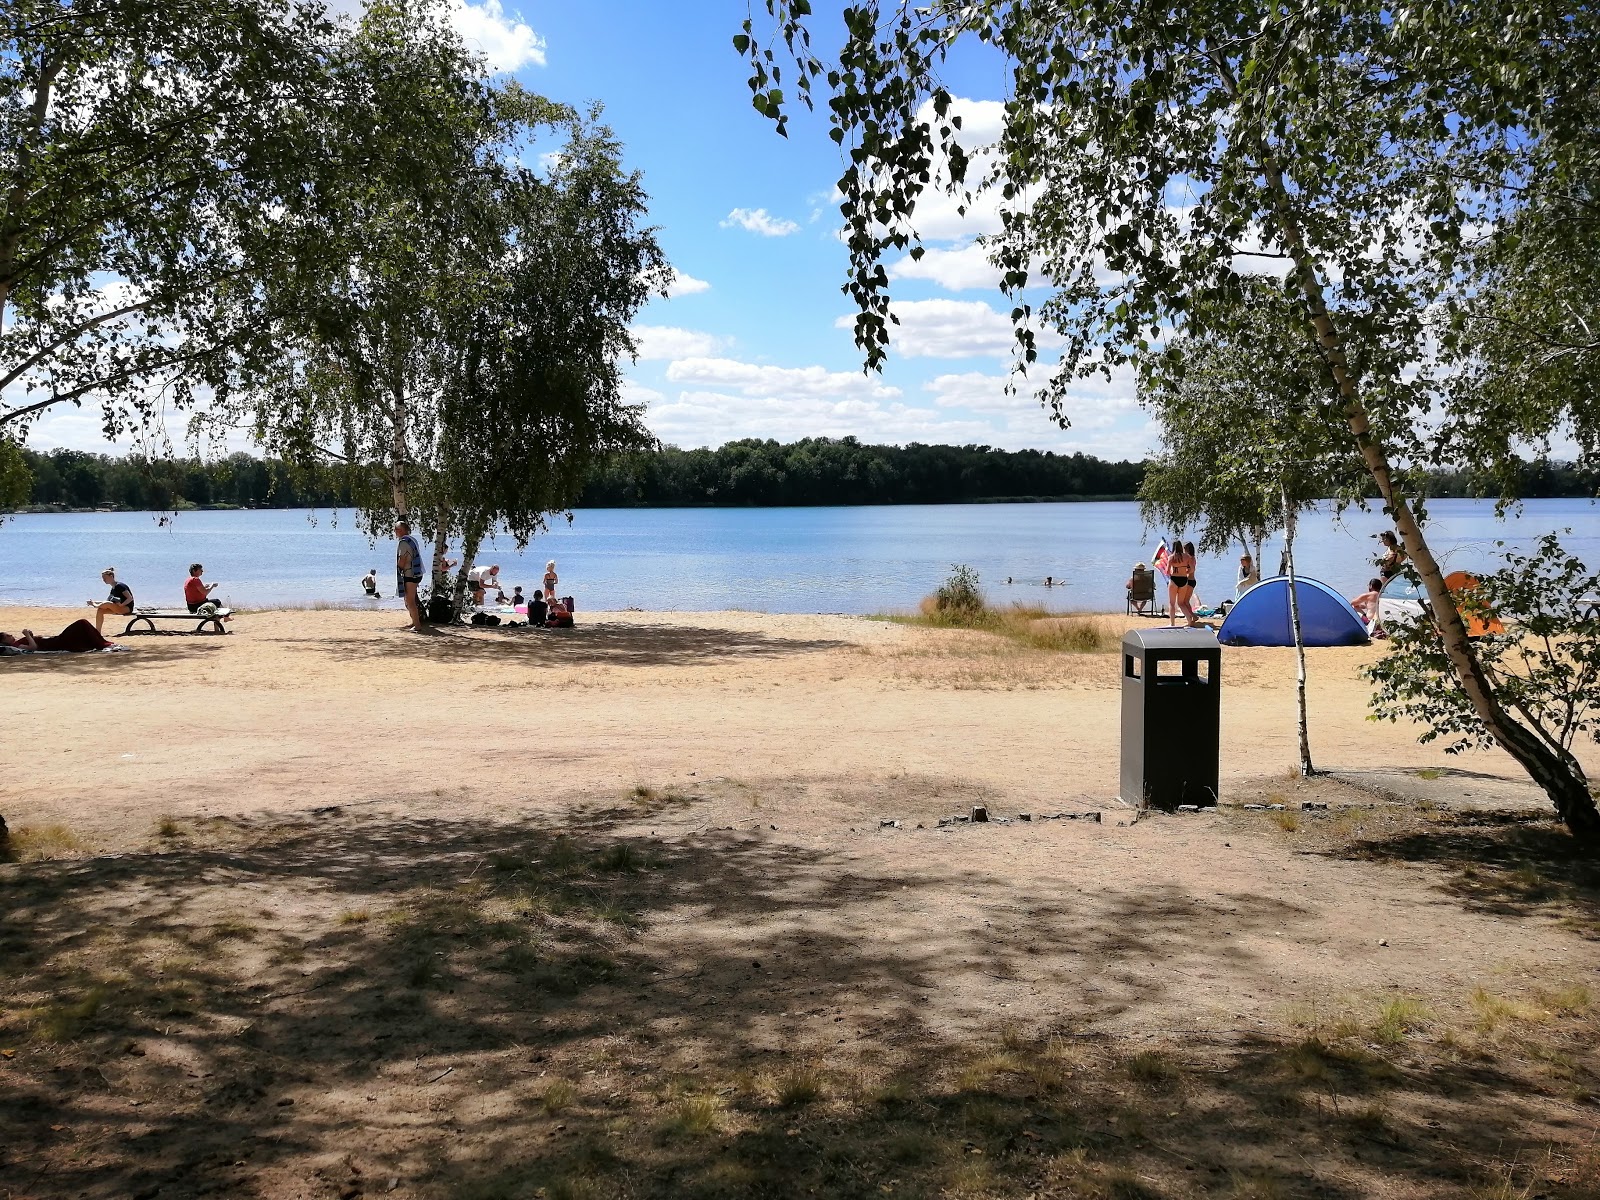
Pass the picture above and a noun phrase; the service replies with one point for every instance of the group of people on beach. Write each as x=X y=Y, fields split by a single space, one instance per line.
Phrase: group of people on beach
x=82 y=636
x=1180 y=565
x=545 y=608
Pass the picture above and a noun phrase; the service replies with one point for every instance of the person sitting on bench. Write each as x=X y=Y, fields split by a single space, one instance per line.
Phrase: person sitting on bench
x=119 y=603
x=196 y=591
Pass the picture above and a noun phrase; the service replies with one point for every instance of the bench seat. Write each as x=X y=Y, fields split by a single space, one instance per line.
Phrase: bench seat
x=203 y=621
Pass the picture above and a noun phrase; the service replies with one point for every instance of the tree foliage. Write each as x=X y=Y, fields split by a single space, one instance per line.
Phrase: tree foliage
x=458 y=349
x=144 y=147
x=1247 y=416
x=1153 y=155
x=1545 y=664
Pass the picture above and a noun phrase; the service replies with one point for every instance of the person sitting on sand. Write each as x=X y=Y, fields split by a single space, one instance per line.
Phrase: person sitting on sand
x=538 y=610
x=119 y=603
x=518 y=600
x=1248 y=575
x=369 y=584
x=559 y=616
x=195 y=590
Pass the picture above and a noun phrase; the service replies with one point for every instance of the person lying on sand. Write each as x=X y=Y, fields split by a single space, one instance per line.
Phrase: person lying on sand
x=77 y=638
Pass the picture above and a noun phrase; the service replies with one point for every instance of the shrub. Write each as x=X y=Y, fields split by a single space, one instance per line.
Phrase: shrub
x=959 y=595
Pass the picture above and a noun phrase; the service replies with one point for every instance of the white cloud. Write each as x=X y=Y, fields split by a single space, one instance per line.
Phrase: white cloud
x=951 y=329
x=754 y=379
x=982 y=393
x=759 y=220
x=954 y=270
x=507 y=43
x=703 y=418
x=686 y=285
x=670 y=342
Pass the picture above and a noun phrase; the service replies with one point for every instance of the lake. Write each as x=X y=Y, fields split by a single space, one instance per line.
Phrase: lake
x=851 y=560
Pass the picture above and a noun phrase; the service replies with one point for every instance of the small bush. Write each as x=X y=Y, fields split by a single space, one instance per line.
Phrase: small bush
x=960 y=595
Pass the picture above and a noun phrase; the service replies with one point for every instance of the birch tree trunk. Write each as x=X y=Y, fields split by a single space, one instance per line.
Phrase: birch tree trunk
x=1289 y=518
x=1563 y=782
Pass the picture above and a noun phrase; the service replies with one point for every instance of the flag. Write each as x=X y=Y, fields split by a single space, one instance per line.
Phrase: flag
x=1162 y=559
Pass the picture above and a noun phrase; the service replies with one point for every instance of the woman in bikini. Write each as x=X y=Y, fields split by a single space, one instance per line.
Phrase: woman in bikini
x=1182 y=583
x=550 y=580
x=1187 y=600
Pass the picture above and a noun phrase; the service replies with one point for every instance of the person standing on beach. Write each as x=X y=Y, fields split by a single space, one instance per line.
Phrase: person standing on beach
x=119 y=603
x=1392 y=559
x=408 y=572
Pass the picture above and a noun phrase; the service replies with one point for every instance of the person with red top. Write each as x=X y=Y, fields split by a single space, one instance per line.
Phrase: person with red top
x=195 y=591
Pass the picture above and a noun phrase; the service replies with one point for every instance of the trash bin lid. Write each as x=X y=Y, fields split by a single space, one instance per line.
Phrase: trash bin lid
x=1170 y=639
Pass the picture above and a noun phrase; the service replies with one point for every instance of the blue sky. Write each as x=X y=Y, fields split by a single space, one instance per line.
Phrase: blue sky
x=757 y=341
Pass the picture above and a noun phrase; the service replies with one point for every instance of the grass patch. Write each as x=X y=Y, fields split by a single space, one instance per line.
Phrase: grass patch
x=167 y=827
x=695 y=1116
x=1149 y=1066
x=959 y=604
x=1495 y=1013
x=65 y=1021
x=799 y=1086
x=33 y=843
x=355 y=916
x=557 y=1096
x=1286 y=821
x=1399 y=1017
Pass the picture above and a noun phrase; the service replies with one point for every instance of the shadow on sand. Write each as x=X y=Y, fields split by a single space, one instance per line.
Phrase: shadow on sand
x=484 y=1009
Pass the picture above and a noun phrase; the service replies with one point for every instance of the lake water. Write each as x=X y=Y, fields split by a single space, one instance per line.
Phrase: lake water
x=852 y=560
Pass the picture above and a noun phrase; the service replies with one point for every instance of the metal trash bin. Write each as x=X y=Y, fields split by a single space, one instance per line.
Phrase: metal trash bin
x=1171 y=717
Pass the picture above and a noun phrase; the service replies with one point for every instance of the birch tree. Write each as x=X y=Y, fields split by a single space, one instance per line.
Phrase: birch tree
x=143 y=146
x=1248 y=444
x=1152 y=153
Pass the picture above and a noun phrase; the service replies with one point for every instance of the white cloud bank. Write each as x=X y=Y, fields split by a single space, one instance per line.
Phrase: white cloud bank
x=662 y=342
x=755 y=379
x=759 y=220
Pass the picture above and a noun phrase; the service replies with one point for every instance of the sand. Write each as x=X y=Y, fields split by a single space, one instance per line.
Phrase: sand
x=299 y=709
x=320 y=818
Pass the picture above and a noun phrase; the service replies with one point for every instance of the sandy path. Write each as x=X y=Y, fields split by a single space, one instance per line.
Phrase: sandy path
x=301 y=709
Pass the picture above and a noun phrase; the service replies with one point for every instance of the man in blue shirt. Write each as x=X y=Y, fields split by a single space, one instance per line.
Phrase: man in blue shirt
x=408 y=571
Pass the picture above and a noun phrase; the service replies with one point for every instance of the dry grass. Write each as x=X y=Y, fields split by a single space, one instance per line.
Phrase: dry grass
x=35 y=843
x=1029 y=625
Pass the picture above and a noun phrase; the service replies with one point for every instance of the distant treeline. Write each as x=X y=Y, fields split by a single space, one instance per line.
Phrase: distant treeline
x=843 y=471
x=746 y=473
x=750 y=473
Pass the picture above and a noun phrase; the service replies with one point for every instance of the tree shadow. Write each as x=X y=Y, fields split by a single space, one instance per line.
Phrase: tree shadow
x=602 y=643
x=133 y=658
x=492 y=1009
x=1500 y=863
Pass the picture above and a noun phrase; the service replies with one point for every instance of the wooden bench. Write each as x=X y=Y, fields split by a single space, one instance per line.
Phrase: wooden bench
x=151 y=615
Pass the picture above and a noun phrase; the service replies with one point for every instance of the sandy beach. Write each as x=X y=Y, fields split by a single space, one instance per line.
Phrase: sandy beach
x=616 y=911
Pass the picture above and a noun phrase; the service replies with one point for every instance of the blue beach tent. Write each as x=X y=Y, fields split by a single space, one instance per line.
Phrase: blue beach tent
x=1260 y=617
